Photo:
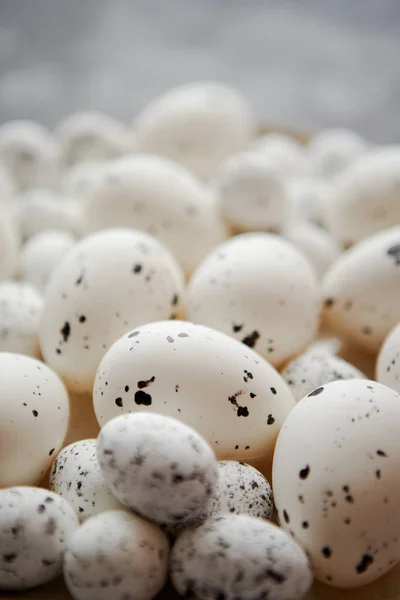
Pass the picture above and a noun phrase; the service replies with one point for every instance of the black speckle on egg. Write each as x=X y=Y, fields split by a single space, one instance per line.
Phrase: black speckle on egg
x=326 y=551
x=252 y=395
x=137 y=268
x=51 y=451
x=145 y=383
x=10 y=557
x=329 y=302
x=381 y=453
x=365 y=562
x=286 y=516
x=133 y=334
x=394 y=252
x=118 y=402
x=242 y=411
x=65 y=331
x=141 y=398
x=237 y=328
x=251 y=340
x=316 y=392
x=270 y=420
x=170 y=339
x=35 y=413
x=304 y=473
x=273 y=390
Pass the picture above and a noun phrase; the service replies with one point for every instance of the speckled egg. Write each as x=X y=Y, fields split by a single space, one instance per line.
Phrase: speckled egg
x=225 y=391
x=116 y=555
x=34 y=413
x=237 y=556
x=155 y=195
x=9 y=246
x=197 y=125
x=35 y=528
x=108 y=283
x=76 y=476
x=335 y=480
x=283 y=150
x=260 y=289
x=159 y=467
x=252 y=192
x=362 y=288
x=30 y=153
x=42 y=253
x=388 y=363
x=315 y=368
x=21 y=307
x=333 y=150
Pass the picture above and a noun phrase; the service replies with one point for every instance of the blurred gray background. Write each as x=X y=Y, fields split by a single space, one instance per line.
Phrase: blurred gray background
x=308 y=63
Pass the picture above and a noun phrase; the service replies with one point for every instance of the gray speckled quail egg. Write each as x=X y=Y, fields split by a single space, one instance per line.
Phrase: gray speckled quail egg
x=335 y=480
x=21 y=307
x=116 y=555
x=197 y=125
x=388 y=363
x=35 y=528
x=108 y=283
x=362 y=288
x=366 y=196
x=315 y=368
x=34 y=413
x=252 y=192
x=238 y=556
x=30 y=153
x=225 y=391
x=282 y=149
x=333 y=150
x=260 y=289
x=9 y=246
x=158 y=466
x=42 y=253
x=76 y=476
x=155 y=195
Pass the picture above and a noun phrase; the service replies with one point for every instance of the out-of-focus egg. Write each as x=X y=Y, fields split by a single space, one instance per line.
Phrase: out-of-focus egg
x=333 y=150
x=21 y=307
x=9 y=246
x=388 y=364
x=79 y=180
x=283 y=150
x=7 y=184
x=309 y=199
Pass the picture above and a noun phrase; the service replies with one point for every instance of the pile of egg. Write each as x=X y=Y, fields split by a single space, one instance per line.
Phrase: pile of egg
x=187 y=312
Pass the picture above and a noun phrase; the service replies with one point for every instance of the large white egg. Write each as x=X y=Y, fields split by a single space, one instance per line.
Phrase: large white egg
x=108 y=283
x=388 y=363
x=335 y=480
x=234 y=398
x=260 y=289
x=9 y=245
x=362 y=289
x=21 y=307
x=160 y=197
x=34 y=413
x=197 y=125
x=333 y=150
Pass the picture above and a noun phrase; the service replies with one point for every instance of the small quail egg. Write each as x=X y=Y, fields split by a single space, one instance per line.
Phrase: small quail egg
x=21 y=307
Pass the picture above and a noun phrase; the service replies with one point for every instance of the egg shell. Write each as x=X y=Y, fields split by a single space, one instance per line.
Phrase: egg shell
x=282 y=149
x=155 y=195
x=260 y=289
x=9 y=245
x=116 y=555
x=35 y=528
x=108 y=283
x=34 y=413
x=21 y=307
x=335 y=480
x=388 y=363
x=225 y=391
x=315 y=368
x=76 y=476
x=331 y=151
x=362 y=288
x=237 y=556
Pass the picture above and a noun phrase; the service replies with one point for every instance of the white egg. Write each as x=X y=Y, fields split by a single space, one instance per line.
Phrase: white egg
x=108 y=283
x=42 y=253
x=7 y=185
x=197 y=125
x=315 y=368
x=309 y=199
x=388 y=363
x=335 y=480
x=159 y=467
x=362 y=288
x=9 y=246
x=366 y=196
x=30 y=153
x=34 y=414
x=79 y=180
x=333 y=150
x=282 y=149
x=116 y=555
x=76 y=476
x=21 y=307
x=157 y=196
x=238 y=556
x=260 y=289
x=35 y=529
x=225 y=391
x=252 y=192
x=91 y=136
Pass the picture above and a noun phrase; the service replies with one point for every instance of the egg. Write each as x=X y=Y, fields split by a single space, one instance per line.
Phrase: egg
x=154 y=195
x=7 y=184
x=34 y=413
x=309 y=199
x=9 y=246
x=315 y=368
x=116 y=555
x=76 y=476
x=335 y=480
x=42 y=253
x=108 y=283
x=30 y=153
x=91 y=136
x=331 y=151
x=79 y=179
x=237 y=556
x=361 y=289
x=35 y=529
x=197 y=125
x=234 y=399
x=367 y=196
x=260 y=289
x=21 y=307
x=252 y=193
x=388 y=363
x=282 y=149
